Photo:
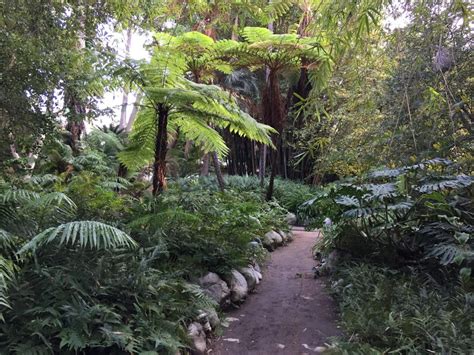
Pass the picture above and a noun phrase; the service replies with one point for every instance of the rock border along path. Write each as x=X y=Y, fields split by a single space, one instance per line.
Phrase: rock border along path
x=290 y=312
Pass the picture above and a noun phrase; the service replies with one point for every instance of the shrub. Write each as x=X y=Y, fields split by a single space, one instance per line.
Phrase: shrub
x=86 y=267
x=413 y=214
x=388 y=311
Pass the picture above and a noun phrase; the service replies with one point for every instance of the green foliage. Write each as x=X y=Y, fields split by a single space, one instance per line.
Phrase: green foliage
x=85 y=234
x=410 y=232
x=85 y=268
x=401 y=215
x=388 y=311
x=194 y=109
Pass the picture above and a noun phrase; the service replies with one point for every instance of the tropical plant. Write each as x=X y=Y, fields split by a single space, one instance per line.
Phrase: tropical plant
x=401 y=311
x=416 y=214
x=186 y=106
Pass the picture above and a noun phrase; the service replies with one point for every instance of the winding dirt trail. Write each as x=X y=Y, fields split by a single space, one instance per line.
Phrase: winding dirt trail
x=290 y=312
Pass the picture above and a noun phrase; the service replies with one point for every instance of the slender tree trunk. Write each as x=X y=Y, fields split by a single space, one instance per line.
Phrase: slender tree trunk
x=217 y=167
x=262 y=164
x=161 y=147
x=205 y=165
x=274 y=163
x=123 y=111
x=134 y=112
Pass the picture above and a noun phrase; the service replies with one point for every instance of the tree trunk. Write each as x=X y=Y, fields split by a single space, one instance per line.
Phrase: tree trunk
x=123 y=111
x=217 y=166
x=161 y=147
x=134 y=112
x=262 y=164
x=205 y=165
x=74 y=103
x=274 y=163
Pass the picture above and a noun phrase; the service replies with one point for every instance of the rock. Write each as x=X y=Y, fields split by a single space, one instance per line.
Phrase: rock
x=290 y=237
x=268 y=242
x=328 y=265
x=254 y=244
x=215 y=287
x=213 y=318
x=275 y=237
x=205 y=317
x=250 y=276
x=283 y=236
x=238 y=286
x=256 y=267
x=290 y=218
x=198 y=337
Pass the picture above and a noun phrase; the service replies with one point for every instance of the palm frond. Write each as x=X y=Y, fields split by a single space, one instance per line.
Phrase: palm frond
x=81 y=234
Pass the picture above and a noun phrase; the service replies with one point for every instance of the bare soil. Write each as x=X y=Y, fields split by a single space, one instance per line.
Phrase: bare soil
x=290 y=311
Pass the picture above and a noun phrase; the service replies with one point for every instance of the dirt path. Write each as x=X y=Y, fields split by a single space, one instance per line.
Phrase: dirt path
x=290 y=312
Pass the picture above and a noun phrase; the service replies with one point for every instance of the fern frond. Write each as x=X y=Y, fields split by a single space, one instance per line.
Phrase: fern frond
x=278 y=8
x=17 y=196
x=58 y=199
x=82 y=234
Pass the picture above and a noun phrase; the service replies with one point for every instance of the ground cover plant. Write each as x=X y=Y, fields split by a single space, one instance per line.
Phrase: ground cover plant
x=405 y=240
x=86 y=268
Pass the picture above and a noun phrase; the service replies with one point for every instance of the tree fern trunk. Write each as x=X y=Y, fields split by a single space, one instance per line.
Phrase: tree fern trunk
x=161 y=147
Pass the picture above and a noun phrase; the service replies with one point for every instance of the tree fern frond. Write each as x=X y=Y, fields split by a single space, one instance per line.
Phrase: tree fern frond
x=195 y=128
x=82 y=234
x=17 y=196
x=256 y=34
x=278 y=8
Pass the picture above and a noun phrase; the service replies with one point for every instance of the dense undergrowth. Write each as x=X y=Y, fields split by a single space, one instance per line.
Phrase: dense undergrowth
x=94 y=264
x=403 y=241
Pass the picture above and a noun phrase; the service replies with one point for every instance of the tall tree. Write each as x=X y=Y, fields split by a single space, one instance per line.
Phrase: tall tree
x=172 y=102
x=277 y=53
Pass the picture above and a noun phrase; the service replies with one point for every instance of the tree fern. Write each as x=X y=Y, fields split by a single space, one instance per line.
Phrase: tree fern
x=174 y=102
x=81 y=234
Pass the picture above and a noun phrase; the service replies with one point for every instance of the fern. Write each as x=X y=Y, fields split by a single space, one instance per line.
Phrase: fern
x=82 y=234
x=278 y=8
x=192 y=108
x=17 y=196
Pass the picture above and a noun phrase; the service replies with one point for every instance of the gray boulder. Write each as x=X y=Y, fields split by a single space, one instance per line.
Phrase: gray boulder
x=250 y=276
x=328 y=265
x=198 y=337
x=283 y=236
x=215 y=287
x=209 y=319
x=238 y=286
x=274 y=237
x=290 y=218
x=256 y=267
x=289 y=236
x=257 y=273
x=267 y=242
x=213 y=318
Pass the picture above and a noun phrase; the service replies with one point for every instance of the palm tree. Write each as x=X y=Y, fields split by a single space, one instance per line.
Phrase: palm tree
x=173 y=102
